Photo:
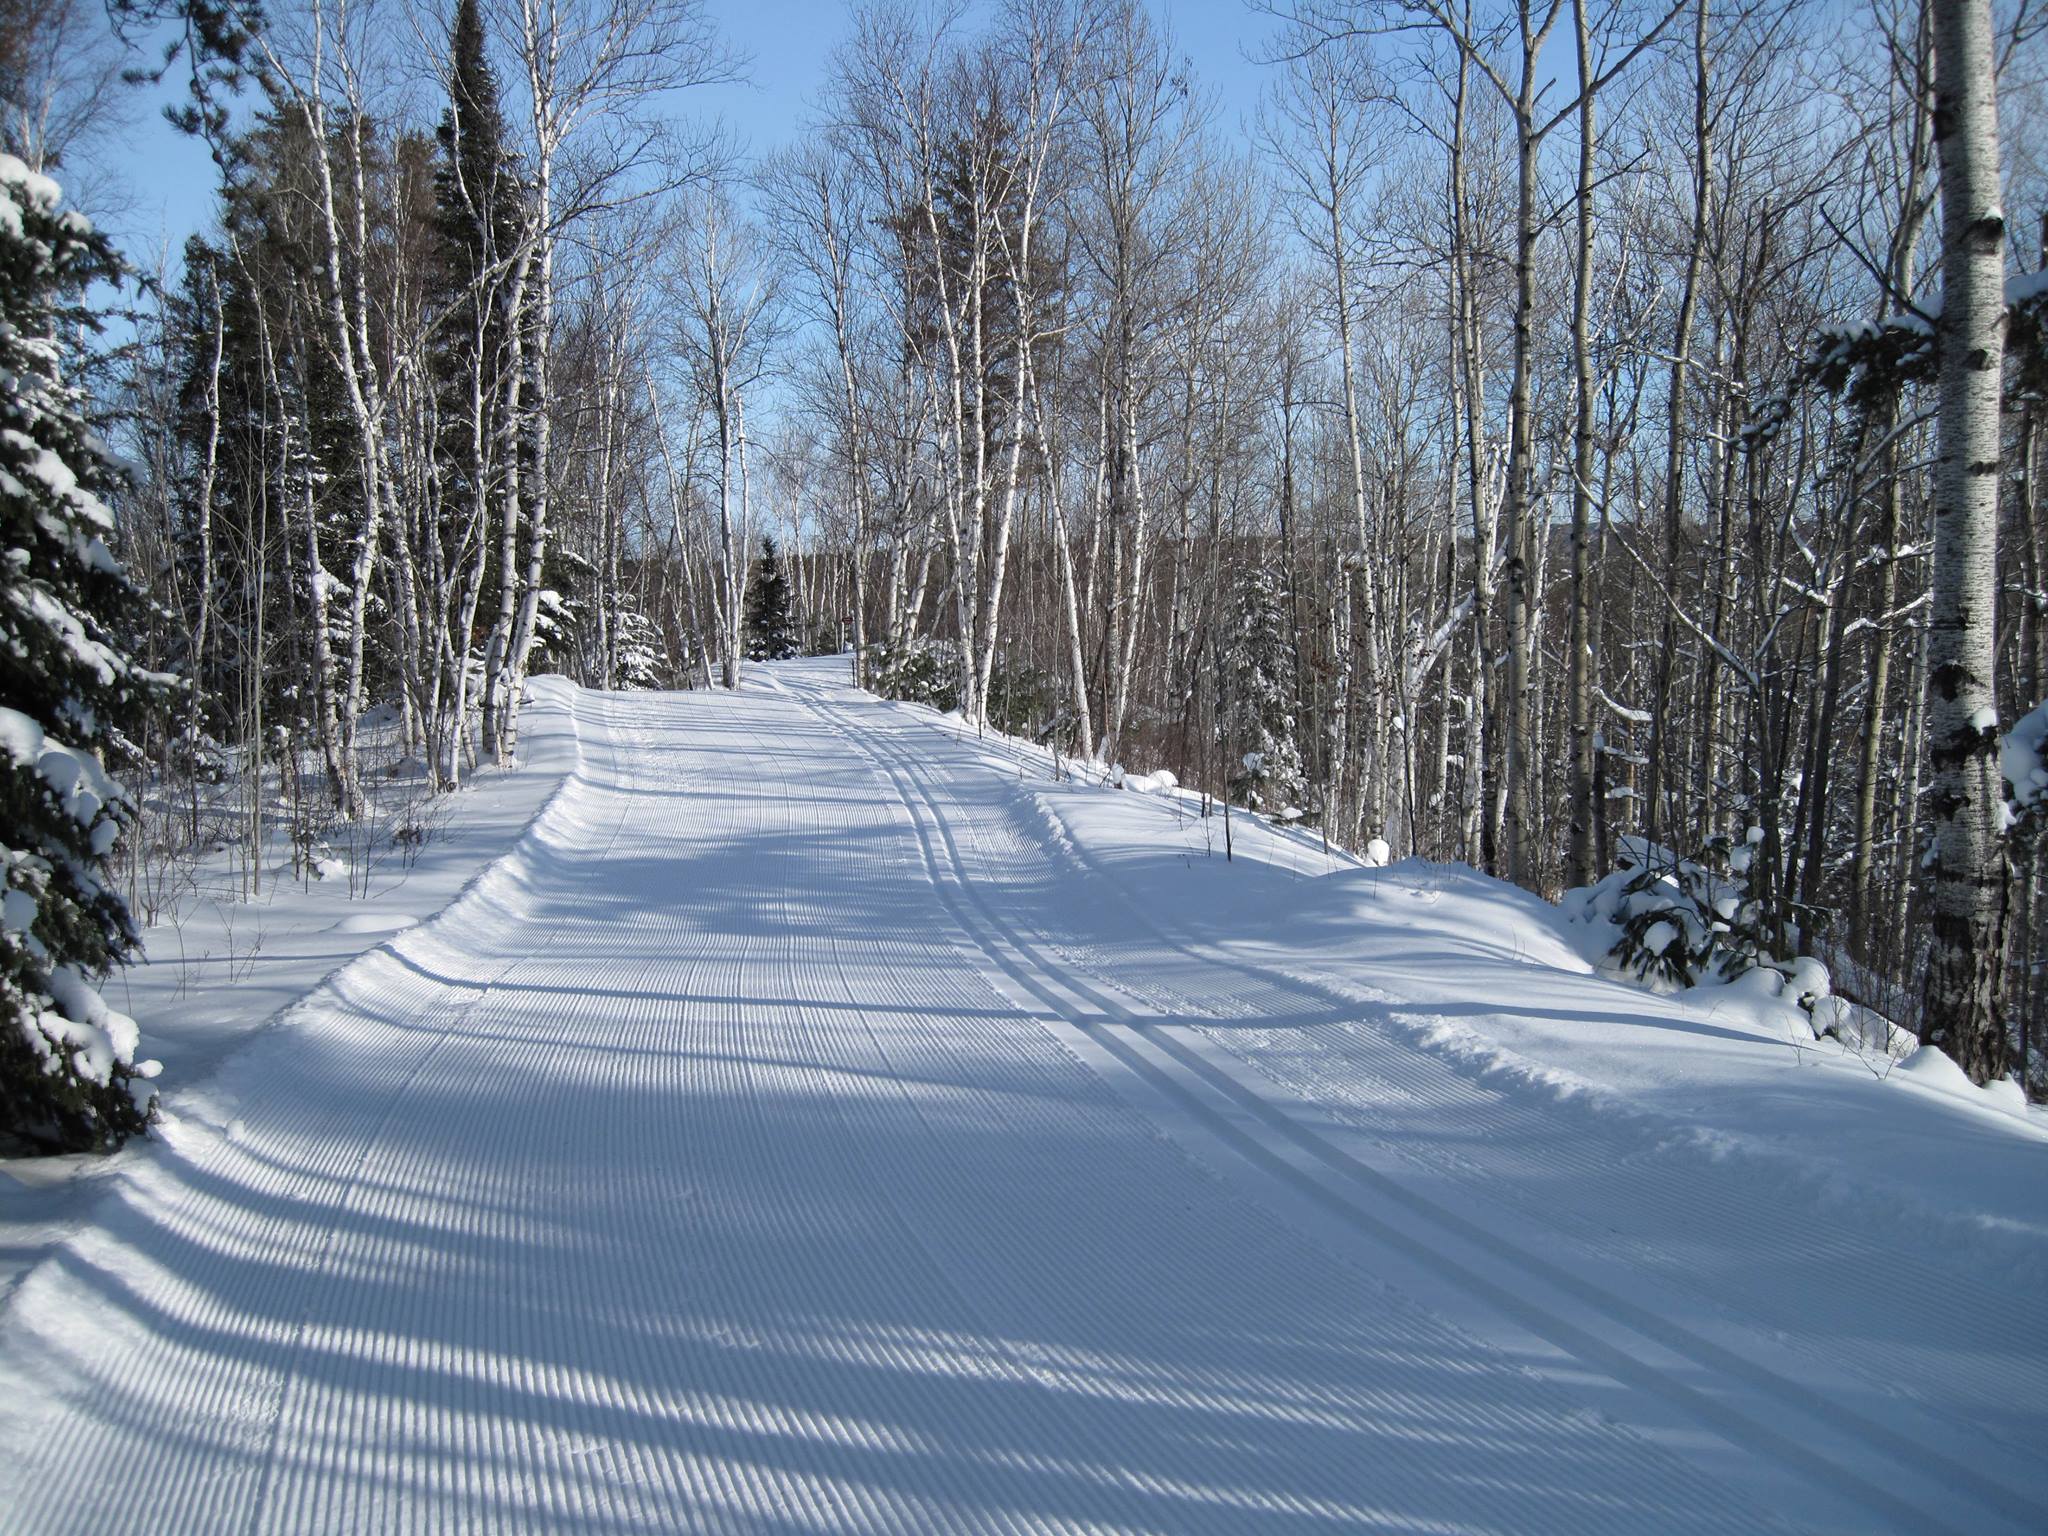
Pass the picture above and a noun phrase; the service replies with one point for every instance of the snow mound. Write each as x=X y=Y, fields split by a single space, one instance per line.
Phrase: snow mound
x=1931 y=1068
x=375 y=922
x=1158 y=782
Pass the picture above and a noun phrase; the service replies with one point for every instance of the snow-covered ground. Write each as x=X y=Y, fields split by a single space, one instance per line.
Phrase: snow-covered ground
x=826 y=1120
x=217 y=967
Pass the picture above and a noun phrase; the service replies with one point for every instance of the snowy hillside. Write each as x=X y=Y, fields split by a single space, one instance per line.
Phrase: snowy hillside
x=826 y=1119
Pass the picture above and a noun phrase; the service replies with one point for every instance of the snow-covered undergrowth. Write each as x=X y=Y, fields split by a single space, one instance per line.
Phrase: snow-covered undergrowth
x=211 y=833
x=2023 y=761
x=2024 y=765
x=1671 y=924
x=224 y=955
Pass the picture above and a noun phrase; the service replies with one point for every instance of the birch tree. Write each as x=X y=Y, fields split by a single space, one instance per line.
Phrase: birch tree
x=1967 y=860
x=726 y=292
x=595 y=73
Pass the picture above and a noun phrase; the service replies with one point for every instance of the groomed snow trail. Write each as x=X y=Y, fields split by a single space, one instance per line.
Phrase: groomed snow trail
x=797 y=1133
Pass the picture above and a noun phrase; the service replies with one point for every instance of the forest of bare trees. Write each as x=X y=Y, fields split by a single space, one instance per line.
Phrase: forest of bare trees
x=1595 y=440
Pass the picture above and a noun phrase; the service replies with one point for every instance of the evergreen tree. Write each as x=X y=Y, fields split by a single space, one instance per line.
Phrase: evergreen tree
x=69 y=1079
x=479 y=209
x=486 y=344
x=638 y=661
x=770 y=636
x=286 y=442
x=1257 y=722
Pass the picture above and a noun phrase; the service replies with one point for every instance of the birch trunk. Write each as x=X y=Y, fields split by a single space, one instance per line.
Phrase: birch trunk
x=1579 y=865
x=519 y=648
x=1661 y=774
x=1518 y=810
x=1968 y=865
x=1905 y=240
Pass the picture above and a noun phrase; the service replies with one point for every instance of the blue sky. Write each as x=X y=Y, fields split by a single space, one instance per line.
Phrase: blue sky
x=788 y=42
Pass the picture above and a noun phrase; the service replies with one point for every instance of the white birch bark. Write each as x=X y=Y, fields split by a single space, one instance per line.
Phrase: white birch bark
x=1967 y=865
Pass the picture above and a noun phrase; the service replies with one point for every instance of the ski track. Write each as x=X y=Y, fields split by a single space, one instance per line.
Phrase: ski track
x=773 y=1142
x=1318 y=1040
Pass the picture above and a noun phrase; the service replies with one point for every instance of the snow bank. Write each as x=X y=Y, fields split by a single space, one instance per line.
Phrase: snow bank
x=1936 y=1071
x=1516 y=994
